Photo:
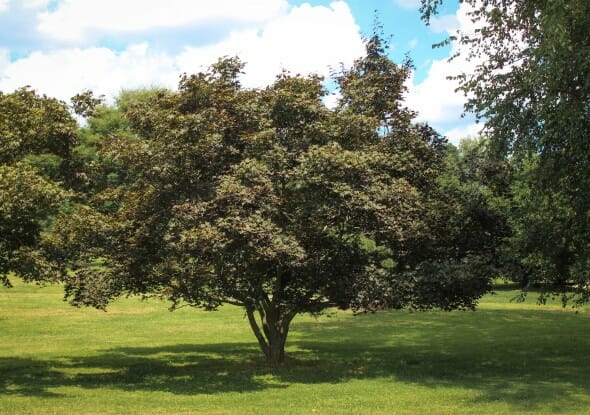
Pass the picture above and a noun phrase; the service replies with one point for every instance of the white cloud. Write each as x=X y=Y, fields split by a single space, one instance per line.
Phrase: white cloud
x=447 y=23
x=331 y=100
x=435 y=97
x=74 y=20
x=306 y=39
x=35 y=4
x=4 y=5
x=4 y=58
x=65 y=72
x=408 y=4
x=455 y=135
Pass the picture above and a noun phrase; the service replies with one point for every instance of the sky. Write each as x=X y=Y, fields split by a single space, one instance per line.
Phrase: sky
x=62 y=47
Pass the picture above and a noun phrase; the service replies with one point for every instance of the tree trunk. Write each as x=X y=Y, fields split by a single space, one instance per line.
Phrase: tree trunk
x=272 y=331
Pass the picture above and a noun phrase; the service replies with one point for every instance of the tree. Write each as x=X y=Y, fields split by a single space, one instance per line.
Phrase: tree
x=472 y=205
x=26 y=200
x=268 y=200
x=547 y=245
x=37 y=134
x=94 y=171
x=33 y=124
x=530 y=88
x=374 y=87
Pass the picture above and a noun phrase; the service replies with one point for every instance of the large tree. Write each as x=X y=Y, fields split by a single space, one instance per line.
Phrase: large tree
x=530 y=88
x=37 y=134
x=268 y=200
x=472 y=201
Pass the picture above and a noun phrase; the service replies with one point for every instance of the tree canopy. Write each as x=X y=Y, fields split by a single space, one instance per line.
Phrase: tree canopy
x=267 y=199
x=530 y=88
x=37 y=135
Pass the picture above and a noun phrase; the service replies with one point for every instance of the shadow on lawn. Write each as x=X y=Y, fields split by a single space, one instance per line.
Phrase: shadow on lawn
x=181 y=369
x=526 y=359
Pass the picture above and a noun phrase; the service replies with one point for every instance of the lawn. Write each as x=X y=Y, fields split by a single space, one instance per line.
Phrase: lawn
x=138 y=358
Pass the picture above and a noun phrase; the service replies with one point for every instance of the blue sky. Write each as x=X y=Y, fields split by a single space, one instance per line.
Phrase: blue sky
x=61 y=47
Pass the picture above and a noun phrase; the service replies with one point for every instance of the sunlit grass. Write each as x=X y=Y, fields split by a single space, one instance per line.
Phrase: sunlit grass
x=506 y=358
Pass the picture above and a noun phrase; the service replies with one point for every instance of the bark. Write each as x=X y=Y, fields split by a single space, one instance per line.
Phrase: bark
x=271 y=330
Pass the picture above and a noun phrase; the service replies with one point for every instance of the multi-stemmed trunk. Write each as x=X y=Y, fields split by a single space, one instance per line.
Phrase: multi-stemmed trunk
x=271 y=329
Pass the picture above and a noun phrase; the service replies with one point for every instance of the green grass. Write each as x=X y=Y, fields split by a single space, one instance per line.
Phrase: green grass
x=138 y=358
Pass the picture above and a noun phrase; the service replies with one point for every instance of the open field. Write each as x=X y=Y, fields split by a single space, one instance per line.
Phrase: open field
x=138 y=358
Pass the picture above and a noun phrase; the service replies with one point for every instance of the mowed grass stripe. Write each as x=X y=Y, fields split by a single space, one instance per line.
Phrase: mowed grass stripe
x=139 y=358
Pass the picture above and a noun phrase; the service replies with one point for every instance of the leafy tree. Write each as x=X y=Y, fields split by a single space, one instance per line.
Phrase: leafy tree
x=26 y=200
x=549 y=246
x=530 y=82
x=85 y=103
x=33 y=124
x=531 y=89
x=36 y=137
x=374 y=87
x=94 y=171
x=472 y=204
x=268 y=200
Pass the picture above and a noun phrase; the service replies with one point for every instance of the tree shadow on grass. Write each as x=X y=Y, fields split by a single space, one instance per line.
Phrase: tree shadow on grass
x=181 y=369
x=28 y=377
x=526 y=359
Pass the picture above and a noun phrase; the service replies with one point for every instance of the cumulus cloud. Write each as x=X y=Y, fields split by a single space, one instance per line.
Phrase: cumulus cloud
x=304 y=39
x=307 y=40
x=74 y=20
x=35 y=4
x=435 y=98
x=446 y=23
x=471 y=130
x=332 y=99
x=65 y=72
x=4 y=58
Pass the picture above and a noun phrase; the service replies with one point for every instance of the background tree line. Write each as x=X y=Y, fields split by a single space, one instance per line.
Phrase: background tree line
x=267 y=199
x=530 y=89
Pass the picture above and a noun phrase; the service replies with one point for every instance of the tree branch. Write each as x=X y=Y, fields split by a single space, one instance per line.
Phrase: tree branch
x=259 y=336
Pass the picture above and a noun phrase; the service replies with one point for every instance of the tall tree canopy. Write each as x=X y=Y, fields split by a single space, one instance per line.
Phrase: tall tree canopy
x=531 y=88
x=269 y=200
x=37 y=135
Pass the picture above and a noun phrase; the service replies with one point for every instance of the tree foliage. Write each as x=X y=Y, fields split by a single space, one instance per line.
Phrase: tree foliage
x=531 y=89
x=269 y=200
x=33 y=124
x=26 y=200
x=95 y=171
x=473 y=189
x=549 y=245
x=37 y=134
x=530 y=85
